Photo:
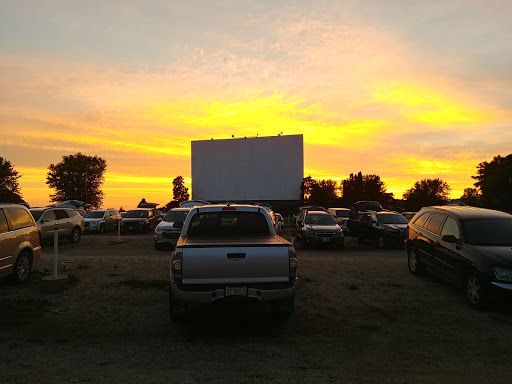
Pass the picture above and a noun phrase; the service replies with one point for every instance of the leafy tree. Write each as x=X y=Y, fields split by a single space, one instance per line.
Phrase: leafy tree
x=364 y=187
x=179 y=191
x=495 y=182
x=425 y=193
x=472 y=196
x=323 y=193
x=78 y=177
x=9 y=187
x=305 y=189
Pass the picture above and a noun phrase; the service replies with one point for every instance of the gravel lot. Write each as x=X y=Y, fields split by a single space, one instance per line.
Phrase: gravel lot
x=360 y=318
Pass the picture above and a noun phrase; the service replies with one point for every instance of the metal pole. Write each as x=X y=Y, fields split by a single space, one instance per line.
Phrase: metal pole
x=55 y=251
x=119 y=229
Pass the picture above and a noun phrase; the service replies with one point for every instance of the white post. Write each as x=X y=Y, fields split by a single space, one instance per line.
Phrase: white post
x=119 y=230
x=55 y=251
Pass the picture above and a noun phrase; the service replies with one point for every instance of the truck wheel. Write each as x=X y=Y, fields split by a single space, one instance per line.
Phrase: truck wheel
x=76 y=234
x=102 y=228
x=177 y=311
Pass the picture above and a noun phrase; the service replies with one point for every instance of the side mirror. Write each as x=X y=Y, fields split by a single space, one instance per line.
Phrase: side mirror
x=178 y=224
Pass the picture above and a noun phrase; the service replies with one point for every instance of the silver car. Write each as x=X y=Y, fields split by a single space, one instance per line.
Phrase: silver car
x=20 y=244
x=102 y=220
x=165 y=233
x=68 y=222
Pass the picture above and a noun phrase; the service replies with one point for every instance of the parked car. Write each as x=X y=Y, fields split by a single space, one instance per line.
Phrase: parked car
x=20 y=241
x=384 y=228
x=67 y=221
x=470 y=247
x=365 y=205
x=102 y=220
x=280 y=221
x=140 y=220
x=165 y=232
x=318 y=228
x=341 y=215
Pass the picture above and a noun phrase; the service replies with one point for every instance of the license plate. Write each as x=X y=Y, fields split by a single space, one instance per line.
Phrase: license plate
x=325 y=239
x=236 y=291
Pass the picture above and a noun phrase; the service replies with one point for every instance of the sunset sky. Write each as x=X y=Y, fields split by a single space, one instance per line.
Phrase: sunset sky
x=403 y=89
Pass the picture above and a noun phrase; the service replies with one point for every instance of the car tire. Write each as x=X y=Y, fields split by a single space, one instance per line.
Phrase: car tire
x=476 y=290
x=75 y=236
x=102 y=228
x=305 y=244
x=415 y=266
x=22 y=267
x=177 y=312
x=381 y=241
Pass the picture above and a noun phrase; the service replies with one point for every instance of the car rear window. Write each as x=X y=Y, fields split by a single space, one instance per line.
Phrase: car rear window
x=491 y=231
x=173 y=216
x=3 y=222
x=228 y=223
x=20 y=218
x=61 y=214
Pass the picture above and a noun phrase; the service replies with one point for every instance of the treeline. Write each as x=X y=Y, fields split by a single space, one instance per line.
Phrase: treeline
x=492 y=189
x=80 y=177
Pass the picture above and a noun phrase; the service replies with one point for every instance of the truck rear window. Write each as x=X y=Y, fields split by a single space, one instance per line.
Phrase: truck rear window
x=228 y=223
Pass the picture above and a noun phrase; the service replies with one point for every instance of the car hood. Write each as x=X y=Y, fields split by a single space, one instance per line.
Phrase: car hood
x=323 y=227
x=499 y=255
x=169 y=225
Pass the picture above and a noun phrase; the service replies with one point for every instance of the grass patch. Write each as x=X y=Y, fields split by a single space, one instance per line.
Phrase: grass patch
x=136 y=282
x=16 y=310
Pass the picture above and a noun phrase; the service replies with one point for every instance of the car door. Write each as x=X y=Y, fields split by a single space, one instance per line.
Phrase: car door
x=449 y=253
x=64 y=223
x=48 y=223
x=430 y=239
x=7 y=245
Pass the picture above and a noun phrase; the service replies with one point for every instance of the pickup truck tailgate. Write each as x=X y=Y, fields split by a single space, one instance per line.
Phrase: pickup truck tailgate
x=237 y=261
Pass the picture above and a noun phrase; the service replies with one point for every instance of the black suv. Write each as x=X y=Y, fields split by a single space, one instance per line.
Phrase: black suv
x=384 y=228
x=470 y=247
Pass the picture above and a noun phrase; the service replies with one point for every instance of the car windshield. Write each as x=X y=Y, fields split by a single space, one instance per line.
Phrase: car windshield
x=386 y=218
x=95 y=215
x=136 y=214
x=495 y=231
x=36 y=213
x=318 y=219
x=343 y=214
x=173 y=216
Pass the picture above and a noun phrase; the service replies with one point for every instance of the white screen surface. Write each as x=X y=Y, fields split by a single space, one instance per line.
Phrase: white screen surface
x=258 y=168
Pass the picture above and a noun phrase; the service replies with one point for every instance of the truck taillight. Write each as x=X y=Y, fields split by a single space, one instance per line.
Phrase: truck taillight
x=292 y=257
x=176 y=265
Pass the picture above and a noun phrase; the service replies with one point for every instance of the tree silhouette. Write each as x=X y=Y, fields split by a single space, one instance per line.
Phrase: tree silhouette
x=9 y=186
x=495 y=182
x=78 y=177
x=426 y=192
x=364 y=187
x=179 y=191
x=472 y=196
x=305 y=189
x=323 y=193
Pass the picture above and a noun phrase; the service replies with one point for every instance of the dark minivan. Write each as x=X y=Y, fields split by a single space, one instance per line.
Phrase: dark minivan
x=470 y=247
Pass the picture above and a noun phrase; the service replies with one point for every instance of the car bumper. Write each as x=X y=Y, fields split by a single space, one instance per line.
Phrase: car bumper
x=502 y=286
x=217 y=294
x=313 y=239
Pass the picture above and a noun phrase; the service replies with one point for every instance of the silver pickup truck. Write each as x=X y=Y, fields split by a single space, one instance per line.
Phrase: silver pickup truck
x=231 y=253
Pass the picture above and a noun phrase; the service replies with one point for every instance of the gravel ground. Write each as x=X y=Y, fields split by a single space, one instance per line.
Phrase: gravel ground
x=360 y=318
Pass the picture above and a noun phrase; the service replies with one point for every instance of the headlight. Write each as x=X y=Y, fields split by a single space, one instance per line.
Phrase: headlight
x=503 y=274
